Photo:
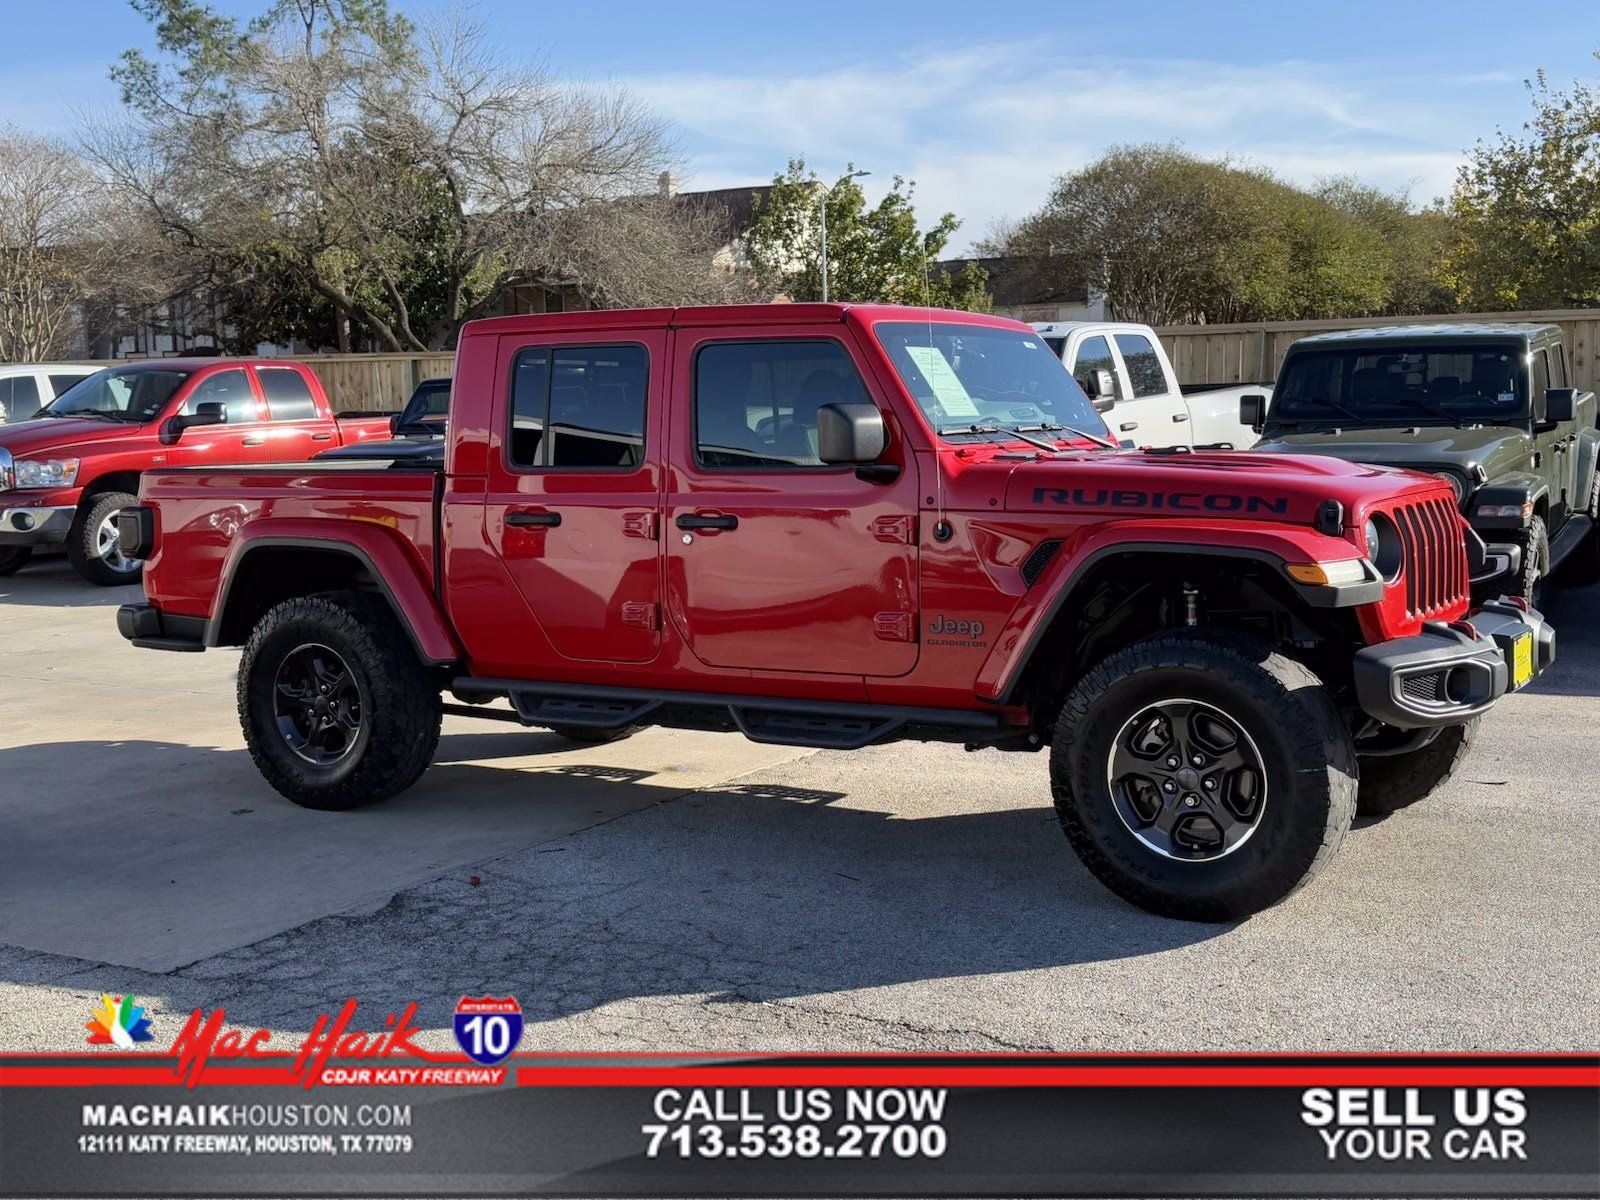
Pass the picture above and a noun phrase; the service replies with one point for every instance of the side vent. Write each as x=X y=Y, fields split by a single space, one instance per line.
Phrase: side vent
x=1037 y=561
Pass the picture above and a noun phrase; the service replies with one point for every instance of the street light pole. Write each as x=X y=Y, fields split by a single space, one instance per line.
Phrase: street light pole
x=823 y=211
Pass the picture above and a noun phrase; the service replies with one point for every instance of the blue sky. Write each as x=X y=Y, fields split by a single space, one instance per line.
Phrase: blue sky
x=982 y=105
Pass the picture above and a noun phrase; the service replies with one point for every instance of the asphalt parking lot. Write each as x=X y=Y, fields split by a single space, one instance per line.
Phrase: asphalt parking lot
x=686 y=891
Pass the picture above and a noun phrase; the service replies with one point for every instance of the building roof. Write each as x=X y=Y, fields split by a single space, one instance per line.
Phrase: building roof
x=739 y=203
x=1454 y=331
x=1015 y=280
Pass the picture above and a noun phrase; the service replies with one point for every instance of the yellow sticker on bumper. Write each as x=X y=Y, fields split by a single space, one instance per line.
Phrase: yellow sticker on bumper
x=1522 y=659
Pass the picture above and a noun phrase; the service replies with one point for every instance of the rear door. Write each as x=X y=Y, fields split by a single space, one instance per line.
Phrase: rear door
x=1553 y=442
x=776 y=561
x=574 y=492
x=1161 y=413
x=297 y=428
x=242 y=440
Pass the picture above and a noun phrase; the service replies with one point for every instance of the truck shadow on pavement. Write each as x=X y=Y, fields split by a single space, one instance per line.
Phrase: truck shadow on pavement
x=745 y=892
x=1575 y=613
x=50 y=582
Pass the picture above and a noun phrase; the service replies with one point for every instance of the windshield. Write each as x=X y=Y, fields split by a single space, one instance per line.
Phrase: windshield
x=966 y=375
x=133 y=394
x=1451 y=383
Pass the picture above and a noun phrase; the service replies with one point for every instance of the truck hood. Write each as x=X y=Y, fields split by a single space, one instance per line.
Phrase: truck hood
x=1242 y=484
x=1494 y=448
x=51 y=434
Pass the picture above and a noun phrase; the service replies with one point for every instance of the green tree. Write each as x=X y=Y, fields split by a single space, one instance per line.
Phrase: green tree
x=874 y=254
x=1527 y=209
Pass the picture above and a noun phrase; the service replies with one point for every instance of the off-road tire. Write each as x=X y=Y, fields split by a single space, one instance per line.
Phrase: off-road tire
x=83 y=547
x=1305 y=750
x=400 y=703
x=1531 y=576
x=14 y=558
x=1392 y=782
x=1582 y=567
x=594 y=737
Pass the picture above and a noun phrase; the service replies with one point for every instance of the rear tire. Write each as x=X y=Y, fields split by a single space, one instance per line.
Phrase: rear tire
x=336 y=708
x=594 y=737
x=1304 y=771
x=14 y=558
x=1392 y=782
x=93 y=546
x=1582 y=566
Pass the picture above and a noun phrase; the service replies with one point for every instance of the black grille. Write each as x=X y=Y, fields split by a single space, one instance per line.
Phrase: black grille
x=1428 y=688
x=1037 y=561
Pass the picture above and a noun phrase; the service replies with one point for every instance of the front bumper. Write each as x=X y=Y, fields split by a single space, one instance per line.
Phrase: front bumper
x=1449 y=674
x=35 y=526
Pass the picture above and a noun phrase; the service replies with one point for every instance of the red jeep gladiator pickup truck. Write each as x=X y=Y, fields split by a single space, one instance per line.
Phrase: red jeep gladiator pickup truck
x=831 y=525
x=66 y=473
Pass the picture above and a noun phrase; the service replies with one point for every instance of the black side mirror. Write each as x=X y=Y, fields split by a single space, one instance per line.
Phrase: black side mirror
x=1101 y=389
x=1560 y=405
x=850 y=434
x=1253 y=411
x=207 y=412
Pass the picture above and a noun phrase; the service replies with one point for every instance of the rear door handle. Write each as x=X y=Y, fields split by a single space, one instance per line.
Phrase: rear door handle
x=1180 y=416
x=533 y=518
x=697 y=521
x=260 y=441
x=1128 y=426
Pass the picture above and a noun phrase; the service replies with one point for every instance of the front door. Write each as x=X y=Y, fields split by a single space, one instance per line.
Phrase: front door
x=777 y=562
x=242 y=441
x=1557 y=463
x=573 y=495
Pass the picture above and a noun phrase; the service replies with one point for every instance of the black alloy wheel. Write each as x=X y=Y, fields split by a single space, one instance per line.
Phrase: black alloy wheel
x=1186 y=780
x=317 y=705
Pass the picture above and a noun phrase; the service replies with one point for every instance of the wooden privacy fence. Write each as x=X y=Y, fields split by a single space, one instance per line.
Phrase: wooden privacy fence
x=1252 y=353
x=376 y=382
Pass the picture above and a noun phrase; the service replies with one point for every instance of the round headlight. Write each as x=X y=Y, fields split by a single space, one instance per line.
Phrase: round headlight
x=1457 y=484
x=1374 y=542
x=1384 y=548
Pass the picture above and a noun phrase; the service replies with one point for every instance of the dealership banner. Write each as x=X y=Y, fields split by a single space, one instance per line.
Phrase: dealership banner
x=346 y=1112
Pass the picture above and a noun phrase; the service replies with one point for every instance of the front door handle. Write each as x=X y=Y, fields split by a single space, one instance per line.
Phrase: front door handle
x=1128 y=426
x=322 y=437
x=697 y=521
x=1180 y=416
x=533 y=518
x=260 y=441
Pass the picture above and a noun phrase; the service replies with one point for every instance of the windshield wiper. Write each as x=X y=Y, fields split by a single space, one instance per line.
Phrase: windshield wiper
x=1053 y=427
x=1432 y=409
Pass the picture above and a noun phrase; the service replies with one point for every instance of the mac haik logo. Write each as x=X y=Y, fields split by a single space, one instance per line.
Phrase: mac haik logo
x=488 y=1029
x=118 y=1022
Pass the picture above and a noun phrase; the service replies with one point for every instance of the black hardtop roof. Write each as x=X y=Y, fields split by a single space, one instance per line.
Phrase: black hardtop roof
x=1452 y=333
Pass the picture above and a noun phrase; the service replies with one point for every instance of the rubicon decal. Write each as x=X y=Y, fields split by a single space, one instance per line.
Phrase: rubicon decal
x=1217 y=502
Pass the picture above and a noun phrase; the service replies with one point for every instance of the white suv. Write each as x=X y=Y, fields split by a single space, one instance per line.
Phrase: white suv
x=25 y=388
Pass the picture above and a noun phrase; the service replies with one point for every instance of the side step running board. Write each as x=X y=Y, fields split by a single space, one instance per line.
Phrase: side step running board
x=1570 y=538
x=775 y=720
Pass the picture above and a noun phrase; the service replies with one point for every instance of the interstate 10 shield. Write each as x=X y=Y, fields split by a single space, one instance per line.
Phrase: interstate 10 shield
x=488 y=1029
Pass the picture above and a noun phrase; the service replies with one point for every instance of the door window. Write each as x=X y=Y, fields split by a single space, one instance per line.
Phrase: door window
x=231 y=389
x=578 y=407
x=1143 y=363
x=288 y=395
x=1541 y=379
x=19 y=397
x=1558 y=366
x=1094 y=354
x=755 y=403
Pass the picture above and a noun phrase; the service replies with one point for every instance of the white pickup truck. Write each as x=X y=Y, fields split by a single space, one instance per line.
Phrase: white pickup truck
x=1125 y=371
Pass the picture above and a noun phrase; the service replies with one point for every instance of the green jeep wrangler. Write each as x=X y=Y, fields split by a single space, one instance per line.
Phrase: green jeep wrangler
x=1487 y=407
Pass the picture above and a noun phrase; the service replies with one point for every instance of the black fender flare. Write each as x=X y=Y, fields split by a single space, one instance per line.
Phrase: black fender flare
x=1516 y=489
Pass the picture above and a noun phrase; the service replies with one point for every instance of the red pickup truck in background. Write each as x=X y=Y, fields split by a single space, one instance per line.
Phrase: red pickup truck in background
x=832 y=526
x=65 y=473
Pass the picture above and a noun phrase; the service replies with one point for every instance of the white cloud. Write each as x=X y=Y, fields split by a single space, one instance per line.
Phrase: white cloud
x=985 y=132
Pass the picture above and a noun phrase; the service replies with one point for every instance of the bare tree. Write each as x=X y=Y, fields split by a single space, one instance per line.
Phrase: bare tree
x=407 y=177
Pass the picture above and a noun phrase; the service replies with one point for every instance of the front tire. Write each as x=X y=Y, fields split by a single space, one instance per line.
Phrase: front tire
x=1261 y=795
x=1529 y=580
x=94 y=547
x=13 y=559
x=1392 y=782
x=336 y=708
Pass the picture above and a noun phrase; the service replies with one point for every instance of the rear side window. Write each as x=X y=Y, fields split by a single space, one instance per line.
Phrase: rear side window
x=288 y=395
x=578 y=407
x=1558 y=366
x=231 y=389
x=19 y=397
x=1094 y=354
x=755 y=403
x=1143 y=363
